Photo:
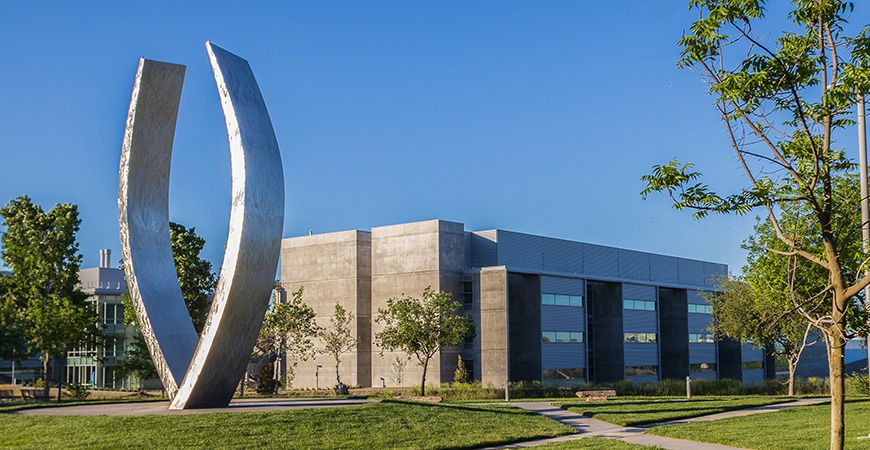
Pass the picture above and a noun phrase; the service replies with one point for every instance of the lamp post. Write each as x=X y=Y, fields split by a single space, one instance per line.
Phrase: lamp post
x=865 y=204
x=317 y=376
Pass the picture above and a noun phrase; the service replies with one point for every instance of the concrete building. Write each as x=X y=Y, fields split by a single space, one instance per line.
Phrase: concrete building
x=544 y=309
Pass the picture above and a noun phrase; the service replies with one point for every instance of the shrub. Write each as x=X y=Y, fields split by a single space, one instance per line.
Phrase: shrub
x=857 y=384
x=78 y=391
x=724 y=386
x=267 y=380
x=811 y=386
x=670 y=386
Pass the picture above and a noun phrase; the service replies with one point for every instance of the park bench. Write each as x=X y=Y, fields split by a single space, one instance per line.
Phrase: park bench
x=596 y=396
x=7 y=394
x=33 y=394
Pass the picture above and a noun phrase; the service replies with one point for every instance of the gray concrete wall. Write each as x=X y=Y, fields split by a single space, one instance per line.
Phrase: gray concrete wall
x=493 y=364
x=406 y=259
x=333 y=268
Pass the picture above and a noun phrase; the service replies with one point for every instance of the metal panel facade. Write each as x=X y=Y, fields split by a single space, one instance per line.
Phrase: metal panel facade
x=699 y=323
x=638 y=292
x=562 y=318
x=562 y=285
x=563 y=355
x=600 y=260
x=702 y=353
x=663 y=269
x=520 y=250
x=641 y=355
x=633 y=265
x=691 y=272
x=562 y=256
x=484 y=249
x=639 y=321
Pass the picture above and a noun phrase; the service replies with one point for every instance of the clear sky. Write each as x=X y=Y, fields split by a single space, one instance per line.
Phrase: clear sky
x=538 y=117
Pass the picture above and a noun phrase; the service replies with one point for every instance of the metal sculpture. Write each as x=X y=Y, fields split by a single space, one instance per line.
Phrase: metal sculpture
x=200 y=372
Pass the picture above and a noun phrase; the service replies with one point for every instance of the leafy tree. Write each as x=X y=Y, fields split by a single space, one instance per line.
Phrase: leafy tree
x=422 y=327
x=461 y=374
x=42 y=252
x=12 y=343
x=137 y=362
x=784 y=103
x=338 y=338
x=290 y=326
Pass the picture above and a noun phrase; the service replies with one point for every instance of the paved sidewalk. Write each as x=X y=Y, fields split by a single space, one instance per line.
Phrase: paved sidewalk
x=148 y=408
x=589 y=427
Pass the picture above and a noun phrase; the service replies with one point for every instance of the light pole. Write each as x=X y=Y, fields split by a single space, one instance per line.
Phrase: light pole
x=317 y=376
x=865 y=204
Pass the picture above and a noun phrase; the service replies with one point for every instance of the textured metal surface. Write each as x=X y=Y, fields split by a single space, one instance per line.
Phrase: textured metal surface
x=200 y=372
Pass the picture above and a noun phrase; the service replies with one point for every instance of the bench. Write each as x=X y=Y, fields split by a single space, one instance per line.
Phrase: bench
x=33 y=394
x=596 y=396
x=7 y=394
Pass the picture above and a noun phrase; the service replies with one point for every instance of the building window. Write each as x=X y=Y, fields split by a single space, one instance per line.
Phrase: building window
x=700 y=309
x=113 y=313
x=562 y=300
x=751 y=365
x=564 y=374
x=702 y=367
x=639 y=305
x=563 y=336
x=707 y=338
x=642 y=338
x=467 y=296
x=641 y=370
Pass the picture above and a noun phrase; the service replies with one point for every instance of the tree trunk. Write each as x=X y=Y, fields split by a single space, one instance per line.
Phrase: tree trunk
x=45 y=358
x=423 y=379
x=792 y=367
x=838 y=429
x=337 y=377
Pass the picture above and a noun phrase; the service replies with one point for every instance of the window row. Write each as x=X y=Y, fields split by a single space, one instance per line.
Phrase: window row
x=700 y=309
x=564 y=374
x=702 y=337
x=562 y=300
x=639 y=305
x=749 y=365
x=563 y=336
x=702 y=367
x=641 y=370
x=645 y=338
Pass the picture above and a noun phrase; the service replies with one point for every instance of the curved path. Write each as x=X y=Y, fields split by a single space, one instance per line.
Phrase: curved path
x=588 y=427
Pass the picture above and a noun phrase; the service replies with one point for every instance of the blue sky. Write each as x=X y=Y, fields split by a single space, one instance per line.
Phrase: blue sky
x=538 y=117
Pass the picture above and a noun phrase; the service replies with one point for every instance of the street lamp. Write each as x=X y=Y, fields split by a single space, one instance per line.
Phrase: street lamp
x=317 y=376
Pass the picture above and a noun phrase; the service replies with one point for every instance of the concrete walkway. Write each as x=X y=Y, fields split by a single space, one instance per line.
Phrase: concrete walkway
x=148 y=408
x=588 y=427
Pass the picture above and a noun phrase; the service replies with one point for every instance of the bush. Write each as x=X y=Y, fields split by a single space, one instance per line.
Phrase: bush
x=724 y=386
x=267 y=380
x=78 y=391
x=857 y=384
x=811 y=386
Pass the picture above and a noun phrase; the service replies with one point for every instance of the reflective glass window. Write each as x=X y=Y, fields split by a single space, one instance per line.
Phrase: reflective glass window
x=548 y=299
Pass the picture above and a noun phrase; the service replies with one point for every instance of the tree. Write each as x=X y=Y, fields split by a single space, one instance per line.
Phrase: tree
x=290 y=326
x=784 y=103
x=743 y=313
x=422 y=327
x=12 y=342
x=461 y=374
x=194 y=273
x=338 y=337
x=42 y=252
x=137 y=362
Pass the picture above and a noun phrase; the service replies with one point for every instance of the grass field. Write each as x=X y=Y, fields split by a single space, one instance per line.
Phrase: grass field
x=632 y=413
x=791 y=429
x=388 y=424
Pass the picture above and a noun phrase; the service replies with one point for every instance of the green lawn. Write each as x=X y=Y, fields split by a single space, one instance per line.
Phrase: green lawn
x=594 y=443
x=631 y=413
x=806 y=427
x=388 y=424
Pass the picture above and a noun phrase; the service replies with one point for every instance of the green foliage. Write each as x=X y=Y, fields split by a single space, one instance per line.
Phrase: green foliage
x=40 y=248
x=13 y=344
x=267 y=379
x=338 y=337
x=288 y=326
x=422 y=327
x=195 y=275
x=857 y=384
x=78 y=391
x=460 y=375
x=787 y=103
